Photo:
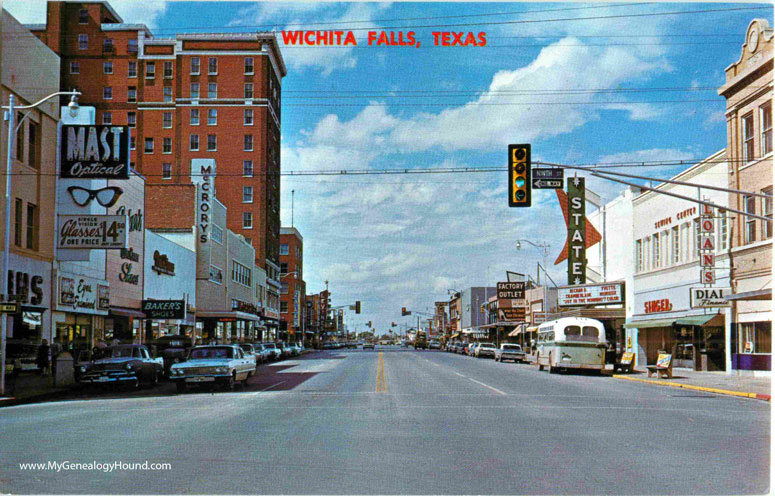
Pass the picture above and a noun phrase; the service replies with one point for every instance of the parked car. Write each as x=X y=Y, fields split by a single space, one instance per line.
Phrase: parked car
x=485 y=350
x=327 y=346
x=459 y=348
x=213 y=364
x=250 y=353
x=471 y=349
x=285 y=350
x=172 y=349
x=273 y=350
x=510 y=352
x=295 y=350
x=123 y=364
x=81 y=362
x=263 y=354
x=368 y=345
x=434 y=345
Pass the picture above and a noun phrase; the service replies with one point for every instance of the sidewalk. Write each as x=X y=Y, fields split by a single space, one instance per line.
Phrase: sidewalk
x=712 y=382
x=28 y=388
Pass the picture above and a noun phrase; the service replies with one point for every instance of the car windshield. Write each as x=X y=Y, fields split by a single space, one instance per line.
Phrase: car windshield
x=212 y=353
x=511 y=347
x=487 y=345
x=119 y=353
x=269 y=345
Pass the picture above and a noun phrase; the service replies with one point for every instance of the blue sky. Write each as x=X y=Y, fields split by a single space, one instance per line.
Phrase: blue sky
x=404 y=240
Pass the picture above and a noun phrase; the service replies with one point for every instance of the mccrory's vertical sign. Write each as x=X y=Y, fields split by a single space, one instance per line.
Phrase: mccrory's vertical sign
x=203 y=176
x=95 y=152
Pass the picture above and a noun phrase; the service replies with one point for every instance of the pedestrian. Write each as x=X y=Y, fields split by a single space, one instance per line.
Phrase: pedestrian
x=43 y=359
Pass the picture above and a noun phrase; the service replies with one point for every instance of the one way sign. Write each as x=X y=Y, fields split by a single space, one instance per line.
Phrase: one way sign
x=547 y=183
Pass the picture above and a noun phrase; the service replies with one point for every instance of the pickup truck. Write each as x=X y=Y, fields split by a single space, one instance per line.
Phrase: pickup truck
x=123 y=364
x=510 y=352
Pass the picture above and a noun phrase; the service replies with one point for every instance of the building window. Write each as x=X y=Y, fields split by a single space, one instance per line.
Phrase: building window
x=168 y=70
x=216 y=274
x=655 y=256
x=107 y=93
x=638 y=256
x=107 y=117
x=723 y=228
x=167 y=120
x=32 y=226
x=749 y=204
x=132 y=142
x=75 y=68
x=166 y=170
x=248 y=65
x=107 y=67
x=217 y=234
x=283 y=249
x=107 y=45
x=284 y=304
x=131 y=119
x=248 y=143
x=193 y=143
x=194 y=117
x=240 y=273
x=83 y=16
x=132 y=69
x=697 y=238
x=195 y=66
x=212 y=142
x=148 y=145
x=132 y=46
x=212 y=65
x=17 y=231
x=32 y=145
x=150 y=70
x=166 y=145
x=83 y=42
x=284 y=290
x=646 y=253
x=765 y=120
x=195 y=91
x=131 y=94
x=212 y=117
x=247 y=194
x=167 y=94
x=247 y=168
x=283 y=268
x=767 y=212
x=748 y=152
x=755 y=337
x=212 y=90
x=676 y=245
x=248 y=121
x=249 y=90
x=247 y=220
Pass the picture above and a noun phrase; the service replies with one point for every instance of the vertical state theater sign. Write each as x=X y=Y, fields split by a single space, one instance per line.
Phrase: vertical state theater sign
x=577 y=255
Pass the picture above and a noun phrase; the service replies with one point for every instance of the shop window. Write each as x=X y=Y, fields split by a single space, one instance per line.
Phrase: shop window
x=748 y=149
x=132 y=69
x=193 y=143
x=765 y=121
x=32 y=226
x=18 y=213
x=755 y=337
x=767 y=212
x=749 y=204
x=194 y=117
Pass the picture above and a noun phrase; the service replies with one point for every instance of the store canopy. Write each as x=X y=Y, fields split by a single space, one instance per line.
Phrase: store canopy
x=531 y=329
x=697 y=320
x=643 y=324
x=515 y=332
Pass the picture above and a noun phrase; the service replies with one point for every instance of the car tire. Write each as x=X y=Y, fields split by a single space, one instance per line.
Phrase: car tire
x=538 y=362
x=155 y=378
x=180 y=386
x=229 y=385
x=552 y=370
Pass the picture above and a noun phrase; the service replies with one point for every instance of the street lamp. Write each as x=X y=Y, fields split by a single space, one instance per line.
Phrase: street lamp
x=544 y=247
x=11 y=109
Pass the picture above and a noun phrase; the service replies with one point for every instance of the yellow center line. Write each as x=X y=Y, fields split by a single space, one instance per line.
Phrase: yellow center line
x=381 y=388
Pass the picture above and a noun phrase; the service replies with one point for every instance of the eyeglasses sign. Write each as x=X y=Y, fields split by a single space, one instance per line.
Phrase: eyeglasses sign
x=107 y=197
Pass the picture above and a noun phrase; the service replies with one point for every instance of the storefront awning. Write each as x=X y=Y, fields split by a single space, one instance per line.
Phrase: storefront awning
x=762 y=294
x=531 y=329
x=455 y=335
x=515 y=332
x=127 y=312
x=644 y=324
x=697 y=320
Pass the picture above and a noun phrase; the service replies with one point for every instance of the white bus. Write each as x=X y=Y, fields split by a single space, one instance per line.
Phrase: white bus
x=571 y=343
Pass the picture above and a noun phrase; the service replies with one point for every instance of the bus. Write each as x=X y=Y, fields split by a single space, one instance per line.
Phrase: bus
x=571 y=343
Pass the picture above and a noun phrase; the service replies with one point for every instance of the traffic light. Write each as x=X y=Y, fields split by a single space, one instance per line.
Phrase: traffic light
x=357 y=307
x=519 y=176
x=368 y=324
x=392 y=324
x=405 y=312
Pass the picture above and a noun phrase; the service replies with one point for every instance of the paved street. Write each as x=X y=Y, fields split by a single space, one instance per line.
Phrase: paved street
x=397 y=421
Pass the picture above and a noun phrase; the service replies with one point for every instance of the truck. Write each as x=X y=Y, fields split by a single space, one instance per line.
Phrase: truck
x=421 y=340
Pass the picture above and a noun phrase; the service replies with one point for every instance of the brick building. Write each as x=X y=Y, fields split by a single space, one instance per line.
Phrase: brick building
x=293 y=288
x=748 y=92
x=192 y=96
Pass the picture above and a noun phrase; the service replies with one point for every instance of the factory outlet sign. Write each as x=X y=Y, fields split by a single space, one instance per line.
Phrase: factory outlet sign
x=164 y=309
x=95 y=152
x=511 y=290
x=92 y=232
x=591 y=294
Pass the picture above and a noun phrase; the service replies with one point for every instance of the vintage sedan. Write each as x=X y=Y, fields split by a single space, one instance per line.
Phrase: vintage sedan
x=250 y=353
x=510 y=352
x=485 y=350
x=213 y=364
x=123 y=364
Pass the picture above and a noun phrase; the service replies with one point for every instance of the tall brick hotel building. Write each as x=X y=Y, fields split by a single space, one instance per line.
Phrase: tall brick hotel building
x=192 y=96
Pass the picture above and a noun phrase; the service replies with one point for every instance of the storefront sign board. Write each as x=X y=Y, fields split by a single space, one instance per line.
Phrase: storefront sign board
x=164 y=309
x=577 y=253
x=92 y=232
x=590 y=294
x=95 y=152
x=709 y=297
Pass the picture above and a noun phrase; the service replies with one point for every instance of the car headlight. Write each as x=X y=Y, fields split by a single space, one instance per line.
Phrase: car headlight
x=83 y=369
x=220 y=370
x=177 y=360
x=129 y=366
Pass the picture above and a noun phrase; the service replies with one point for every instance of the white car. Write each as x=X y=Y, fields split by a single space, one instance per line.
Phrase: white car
x=225 y=364
x=485 y=350
x=275 y=352
x=250 y=353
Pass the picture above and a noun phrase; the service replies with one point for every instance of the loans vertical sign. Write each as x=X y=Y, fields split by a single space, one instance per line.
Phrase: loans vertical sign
x=577 y=255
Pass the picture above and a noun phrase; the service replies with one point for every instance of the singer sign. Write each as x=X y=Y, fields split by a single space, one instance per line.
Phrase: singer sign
x=95 y=152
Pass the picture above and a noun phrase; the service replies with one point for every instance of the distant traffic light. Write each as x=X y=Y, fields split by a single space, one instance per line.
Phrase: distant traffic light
x=519 y=176
x=392 y=324
x=357 y=307
x=368 y=324
x=404 y=312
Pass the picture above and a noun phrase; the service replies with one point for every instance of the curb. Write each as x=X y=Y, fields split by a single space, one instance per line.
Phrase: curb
x=36 y=398
x=727 y=392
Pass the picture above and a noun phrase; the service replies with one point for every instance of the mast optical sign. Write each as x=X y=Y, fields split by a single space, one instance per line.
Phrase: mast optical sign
x=95 y=152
